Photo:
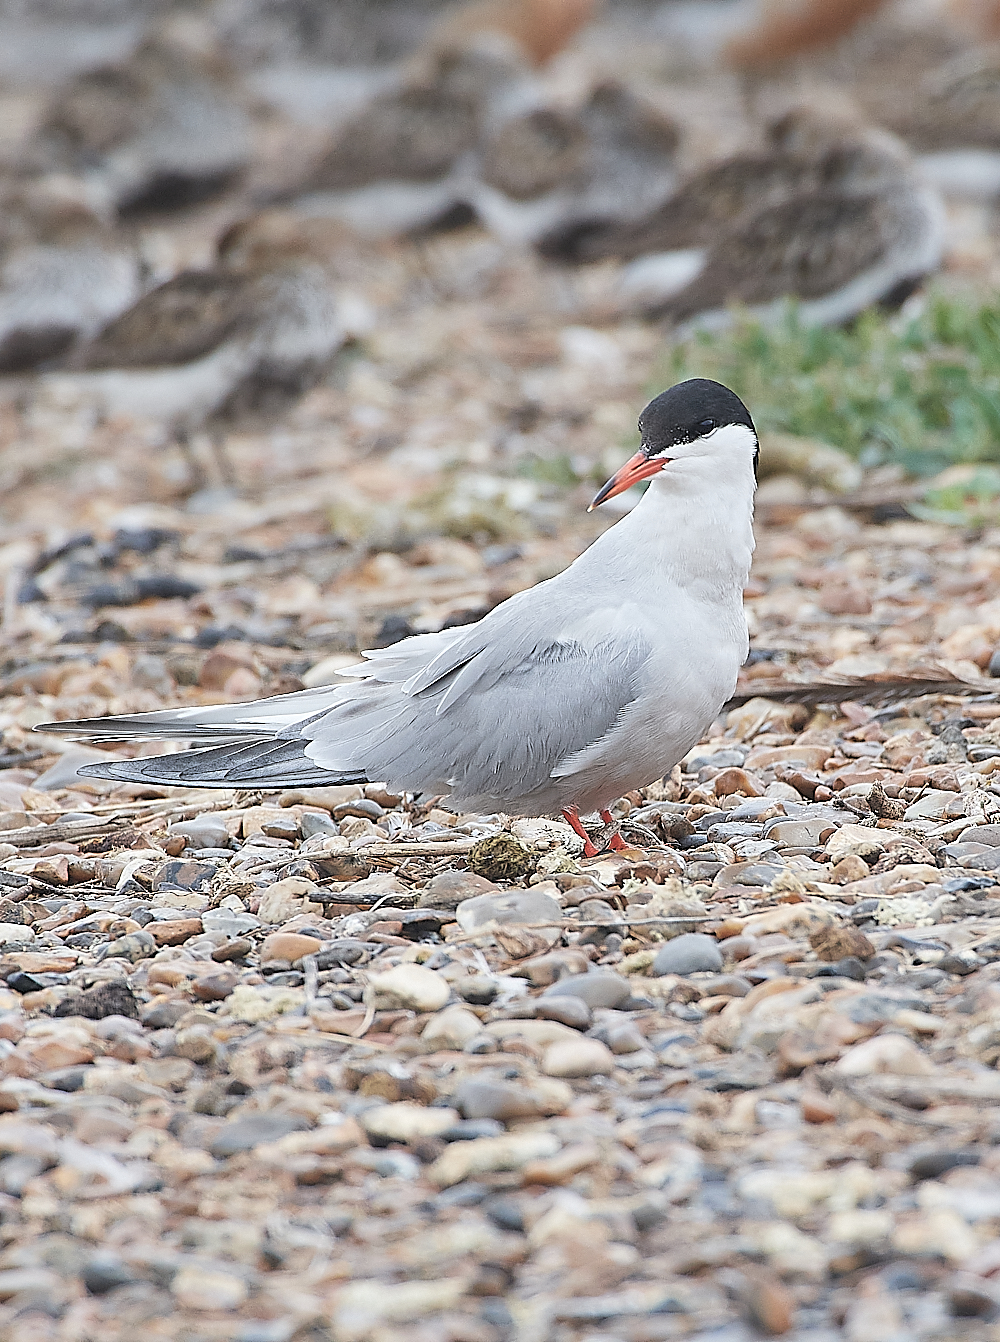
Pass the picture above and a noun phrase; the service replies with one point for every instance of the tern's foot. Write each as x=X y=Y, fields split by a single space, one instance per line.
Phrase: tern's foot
x=615 y=842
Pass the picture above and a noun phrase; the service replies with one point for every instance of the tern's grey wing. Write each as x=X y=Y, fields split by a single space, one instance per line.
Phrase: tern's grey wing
x=495 y=725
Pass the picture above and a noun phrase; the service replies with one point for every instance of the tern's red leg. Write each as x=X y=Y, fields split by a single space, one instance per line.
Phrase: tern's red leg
x=573 y=820
x=616 y=842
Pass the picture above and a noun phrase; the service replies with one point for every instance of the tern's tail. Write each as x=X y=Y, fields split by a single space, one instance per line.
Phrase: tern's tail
x=236 y=745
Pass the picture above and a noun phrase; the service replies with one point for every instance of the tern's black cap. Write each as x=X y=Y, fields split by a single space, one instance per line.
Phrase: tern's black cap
x=688 y=411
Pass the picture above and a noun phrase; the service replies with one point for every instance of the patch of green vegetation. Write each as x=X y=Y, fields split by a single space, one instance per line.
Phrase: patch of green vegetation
x=918 y=389
x=557 y=470
x=964 y=496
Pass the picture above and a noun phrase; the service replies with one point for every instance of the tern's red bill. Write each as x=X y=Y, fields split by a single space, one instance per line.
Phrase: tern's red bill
x=639 y=467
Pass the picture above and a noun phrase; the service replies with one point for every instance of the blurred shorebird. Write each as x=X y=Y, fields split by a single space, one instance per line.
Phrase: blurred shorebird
x=543 y=167
x=63 y=273
x=254 y=331
x=159 y=131
x=832 y=213
x=407 y=156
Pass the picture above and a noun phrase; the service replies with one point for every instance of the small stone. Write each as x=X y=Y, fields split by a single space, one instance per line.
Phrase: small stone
x=405 y=1121
x=491 y=1155
x=732 y=780
x=479 y=1098
x=288 y=946
x=545 y=969
x=214 y=987
x=818 y=1109
x=229 y=922
x=254 y=1004
x=972 y=1297
x=238 y=949
x=134 y=947
x=16 y=934
x=855 y=841
x=596 y=989
x=449 y=890
x=175 y=931
x=834 y=943
x=578 y=1058
x=113 y=998
x=196 y=1044
x=409 y=986
x=500 y=858
x=184 y=875
x=341 y=951
x=690 y=953
x=961 y=962
x=283 y=900
x=483 y=912
x=452 y=1028
x=848 y=869
x=477 y=989
x=808 y=833
x=894 y=1054
x=625 y=1039
x=932 y=1164
x=769 y=1304
x=569 y=1010
x=243 y=1134
x=204 y=1288
x=163 y=1015
x=207 y=831
x=105 y=1272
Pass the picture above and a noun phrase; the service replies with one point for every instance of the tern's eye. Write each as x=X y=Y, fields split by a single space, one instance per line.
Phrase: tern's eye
x=707 y=425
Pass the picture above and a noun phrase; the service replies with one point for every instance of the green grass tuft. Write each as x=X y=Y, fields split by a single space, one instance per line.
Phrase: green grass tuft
x=920 y=390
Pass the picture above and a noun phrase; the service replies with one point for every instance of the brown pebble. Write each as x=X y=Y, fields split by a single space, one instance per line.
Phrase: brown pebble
x=290 y=946
x=834 y=943
x=215 y=987
x=53 y=869
x=818 y=1109
x=739 y=948
x=850 y=868
x=728 y=781
x=237 y=949
x=8 y=1102
x=175 y=931
x=174 y=845
x=769 y=1305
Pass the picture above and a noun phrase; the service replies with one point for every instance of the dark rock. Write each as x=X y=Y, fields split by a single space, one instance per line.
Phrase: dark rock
x=468 y=1130
x=422 y=922
x=134 y=947
x=69 y=1079
x=597 y=989
x=316 y=822
x=12 y=880
x=184 y=874
x=343 y=951
x=105 y=1273
x=569 y=1010
x=961 y=962
x=690 y=953
x=973 y=1297
x=506 y=1213
x=237 y=949
x=243 y=1134
x=21 y=982
x=477 y=989
x=114 y=998
x=932 y=1164
x=163 y=1015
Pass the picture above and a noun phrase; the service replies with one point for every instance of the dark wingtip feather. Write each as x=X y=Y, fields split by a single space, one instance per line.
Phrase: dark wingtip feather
x=856 y=691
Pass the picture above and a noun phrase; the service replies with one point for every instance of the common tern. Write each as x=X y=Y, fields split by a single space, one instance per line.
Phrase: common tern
x=562 y=698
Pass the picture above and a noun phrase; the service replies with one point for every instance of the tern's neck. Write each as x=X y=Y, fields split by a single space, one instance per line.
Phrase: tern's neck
x=694 y=527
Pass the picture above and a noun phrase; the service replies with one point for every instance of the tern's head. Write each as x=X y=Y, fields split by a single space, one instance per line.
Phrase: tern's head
x=695 y=420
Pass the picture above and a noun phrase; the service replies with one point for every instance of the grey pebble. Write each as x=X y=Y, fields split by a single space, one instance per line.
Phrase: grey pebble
x=690 y=953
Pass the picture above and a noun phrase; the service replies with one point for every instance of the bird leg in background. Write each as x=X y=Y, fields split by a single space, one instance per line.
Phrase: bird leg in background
x=616 y=841
x=208 y=462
